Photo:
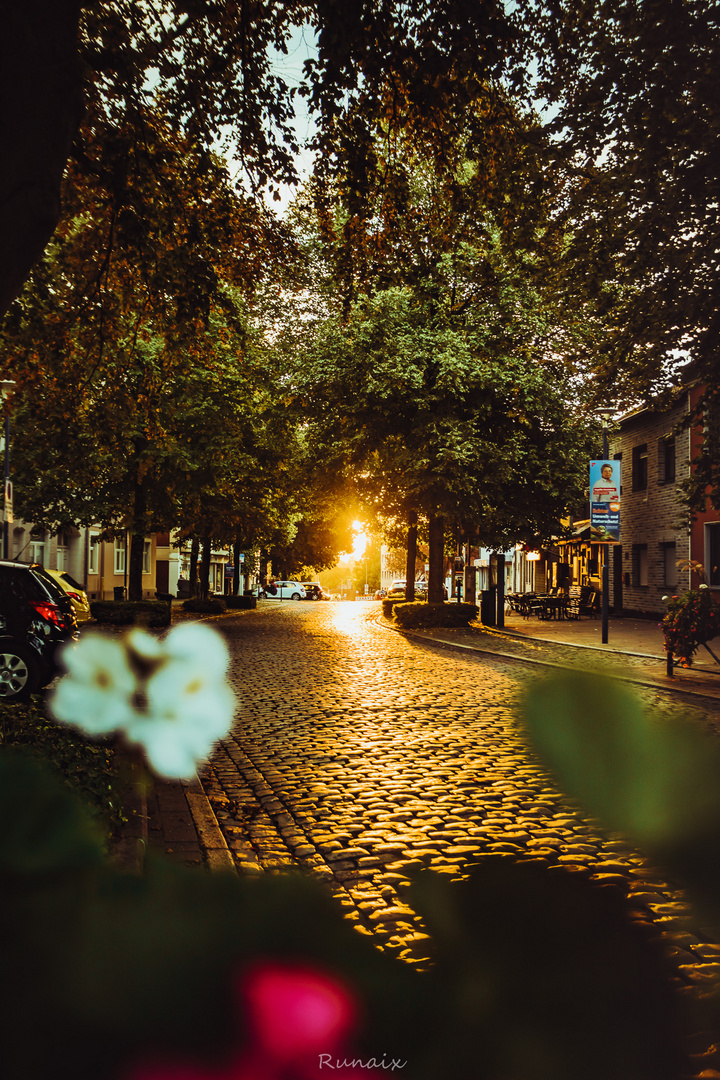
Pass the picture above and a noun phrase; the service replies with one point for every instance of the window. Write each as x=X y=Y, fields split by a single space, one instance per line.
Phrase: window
x=640 y=564
x=93 y=549
x=639 y=467
x=119 y=554
x=666 y=460
x=712 y=553
x=670 y=573
x=36 y=549
x=146 y=557
x=62 y=551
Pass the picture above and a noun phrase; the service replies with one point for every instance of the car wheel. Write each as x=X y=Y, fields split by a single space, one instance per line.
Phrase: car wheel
x=19 y=673
x=295 y=596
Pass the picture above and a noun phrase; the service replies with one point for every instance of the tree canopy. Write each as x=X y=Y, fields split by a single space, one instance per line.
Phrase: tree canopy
x=632 y=127
x=211 y=66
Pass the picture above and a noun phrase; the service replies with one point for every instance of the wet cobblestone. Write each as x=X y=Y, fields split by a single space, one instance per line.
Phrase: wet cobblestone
x=363 y=756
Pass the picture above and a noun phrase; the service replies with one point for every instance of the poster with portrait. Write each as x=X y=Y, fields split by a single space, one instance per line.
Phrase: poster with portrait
x=605 y=502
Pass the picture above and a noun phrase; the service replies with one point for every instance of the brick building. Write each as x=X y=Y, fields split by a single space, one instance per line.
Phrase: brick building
x=654 y=531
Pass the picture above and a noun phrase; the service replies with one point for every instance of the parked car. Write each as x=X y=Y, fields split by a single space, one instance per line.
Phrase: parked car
x=397 y=589
x=78 y=596
x=314 y=590
x=381 y=594
x=36 y=617
x=286 y=590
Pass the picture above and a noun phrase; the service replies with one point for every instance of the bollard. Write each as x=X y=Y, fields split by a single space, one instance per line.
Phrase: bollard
x=669 y=664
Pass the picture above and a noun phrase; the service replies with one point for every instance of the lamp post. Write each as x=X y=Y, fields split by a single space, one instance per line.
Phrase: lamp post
x=5 y=386
x=606 y=555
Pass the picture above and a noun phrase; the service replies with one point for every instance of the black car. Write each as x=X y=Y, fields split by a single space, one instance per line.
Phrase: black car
x=36 y=617
x=313 y=590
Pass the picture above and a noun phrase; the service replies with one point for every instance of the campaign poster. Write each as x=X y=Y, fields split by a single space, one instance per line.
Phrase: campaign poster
x=605 y=502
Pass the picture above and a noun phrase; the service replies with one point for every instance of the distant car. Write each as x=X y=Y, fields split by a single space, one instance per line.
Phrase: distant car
x=36 y=617
x=78 y=596
x=397 y=590
x=314 y=590
x=285 y=590
x=381 y=594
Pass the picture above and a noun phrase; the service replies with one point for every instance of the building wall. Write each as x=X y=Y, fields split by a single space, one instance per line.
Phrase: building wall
x=705 y=534
x=653 y=534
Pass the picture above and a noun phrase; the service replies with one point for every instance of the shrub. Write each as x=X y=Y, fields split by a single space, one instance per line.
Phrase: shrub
x=90 y=768
x=388 y=606
x=692 y=620
x=131 y=612
x=213 y=606
x=421 y=615
x=244 y=602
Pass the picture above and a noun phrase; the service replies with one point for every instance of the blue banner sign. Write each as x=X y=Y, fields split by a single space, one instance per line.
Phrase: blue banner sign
x=604 y=502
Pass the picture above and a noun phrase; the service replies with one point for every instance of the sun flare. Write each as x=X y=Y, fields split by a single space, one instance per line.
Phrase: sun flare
x=360 y=540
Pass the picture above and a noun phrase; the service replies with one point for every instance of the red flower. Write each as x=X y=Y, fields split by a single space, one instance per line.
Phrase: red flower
x=297 y=1016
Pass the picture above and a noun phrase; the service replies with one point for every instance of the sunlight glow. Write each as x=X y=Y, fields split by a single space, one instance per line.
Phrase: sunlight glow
x=360 y=542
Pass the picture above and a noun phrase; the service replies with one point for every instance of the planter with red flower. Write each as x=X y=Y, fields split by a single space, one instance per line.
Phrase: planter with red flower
x=692 y=620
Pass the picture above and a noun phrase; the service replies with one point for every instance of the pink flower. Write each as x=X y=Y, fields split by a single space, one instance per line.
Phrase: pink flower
x=297 y=1017
x=297 y=1012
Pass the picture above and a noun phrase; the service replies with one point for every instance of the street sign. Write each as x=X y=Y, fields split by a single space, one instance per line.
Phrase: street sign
x=9 y=501
x=229 y=570
x=605 y=502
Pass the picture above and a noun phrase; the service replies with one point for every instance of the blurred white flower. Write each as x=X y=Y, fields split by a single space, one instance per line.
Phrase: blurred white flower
x=169 y=696
x=703 y=586
x=189 y=704
x=97 y=692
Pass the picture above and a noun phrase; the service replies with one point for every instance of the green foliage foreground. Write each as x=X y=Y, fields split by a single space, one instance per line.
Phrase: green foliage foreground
x=537 y=972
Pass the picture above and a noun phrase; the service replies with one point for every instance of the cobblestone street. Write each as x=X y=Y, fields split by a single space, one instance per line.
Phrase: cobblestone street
x=363 y=756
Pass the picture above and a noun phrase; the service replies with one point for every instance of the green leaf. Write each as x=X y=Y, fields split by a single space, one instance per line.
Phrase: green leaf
x=45 y=829
x=654 y=778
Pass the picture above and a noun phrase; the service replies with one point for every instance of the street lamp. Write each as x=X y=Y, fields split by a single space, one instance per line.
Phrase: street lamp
x=606 y=551
x=5 y=386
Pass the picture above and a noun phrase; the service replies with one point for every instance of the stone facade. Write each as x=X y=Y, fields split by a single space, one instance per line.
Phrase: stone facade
x=654 y=535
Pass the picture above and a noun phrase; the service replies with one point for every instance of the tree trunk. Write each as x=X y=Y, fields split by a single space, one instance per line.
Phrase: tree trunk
x=236 y=568
x=41 y=94
x=137 y=541
x=500 y=593
x=411 y=556
x=205 y=568
x=194 y=553
x=436 y=560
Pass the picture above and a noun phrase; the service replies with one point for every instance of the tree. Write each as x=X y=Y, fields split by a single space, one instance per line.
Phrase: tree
x=446 y=387
x=131 y=339
x=212 y=66
x=461 y=420
x=632 y=130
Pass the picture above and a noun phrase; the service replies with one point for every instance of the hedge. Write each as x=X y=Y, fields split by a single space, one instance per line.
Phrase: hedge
x=418 y=615
x=213 y=606
x=388 y=606
x=245 y=602
x=131 y=612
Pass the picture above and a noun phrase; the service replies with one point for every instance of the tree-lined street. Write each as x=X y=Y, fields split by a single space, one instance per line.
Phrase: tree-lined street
x=363 y=757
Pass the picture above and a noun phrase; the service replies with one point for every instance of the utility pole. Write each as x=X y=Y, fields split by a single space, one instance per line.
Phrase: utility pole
x=6 y=524
x=606 y=557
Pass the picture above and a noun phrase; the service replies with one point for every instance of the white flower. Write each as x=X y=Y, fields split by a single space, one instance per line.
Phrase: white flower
x=704 y=586
x=169 y=696
x=97 y=693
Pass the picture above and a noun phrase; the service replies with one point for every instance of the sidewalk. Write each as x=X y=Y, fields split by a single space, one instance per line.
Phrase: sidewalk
x=634 y=650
